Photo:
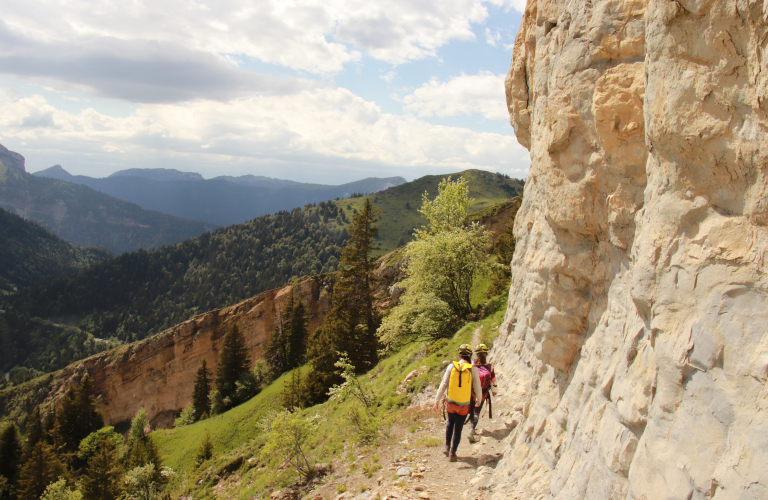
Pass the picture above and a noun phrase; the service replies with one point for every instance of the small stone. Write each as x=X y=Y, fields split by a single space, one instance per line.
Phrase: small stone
x=276 y=494
x=424 y=495
x=475 y=480
x=380 y=479
x=366 y=495
x=404 y=471
x=417 y=474
x=420 y=487
x=422 y=468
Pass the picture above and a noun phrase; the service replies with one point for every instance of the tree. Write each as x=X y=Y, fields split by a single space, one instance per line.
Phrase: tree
x=287 y=437
x=103 y=476
x=10 y=454
x=296 y=339
x=42 y=468
x=503 y=251
x=294 y=394
x=77 y=416
x=60 y=491
x=141 y=483
x=233 y=364
x=201 y=392
x=443 y=262
x=351 y=324
x=141 y=448
x=34 y=430
x=205 y=452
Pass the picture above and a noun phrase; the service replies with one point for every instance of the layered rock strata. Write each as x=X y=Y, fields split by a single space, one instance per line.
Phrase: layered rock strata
x=635 y=345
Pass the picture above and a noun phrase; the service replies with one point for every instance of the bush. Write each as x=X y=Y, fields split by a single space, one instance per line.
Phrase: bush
x=187 y=416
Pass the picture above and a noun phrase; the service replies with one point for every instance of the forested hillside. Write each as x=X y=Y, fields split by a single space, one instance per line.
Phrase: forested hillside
x=29 y=254
x=400 y=205
x=85 y=217
x=141 y=293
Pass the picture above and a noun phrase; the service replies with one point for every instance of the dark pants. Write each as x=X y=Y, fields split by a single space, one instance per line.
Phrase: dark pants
x=453 y=428
x=474 y=413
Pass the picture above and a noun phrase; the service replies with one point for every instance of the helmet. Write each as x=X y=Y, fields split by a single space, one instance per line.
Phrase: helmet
x=465 y=349
x=481 y=349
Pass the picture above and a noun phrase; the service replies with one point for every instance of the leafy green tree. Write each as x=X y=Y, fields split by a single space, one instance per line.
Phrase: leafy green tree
x=141 y=448
x=42 y=468
x=205 y=452
x=103 y=476
x=61 y=491
x=201 y=392
x=10 y=454
x=141 y=483
x=234 y=363
x=443 y=262
x=77 y=416
x=288 y=434
x=186 y=417
x=91 y=443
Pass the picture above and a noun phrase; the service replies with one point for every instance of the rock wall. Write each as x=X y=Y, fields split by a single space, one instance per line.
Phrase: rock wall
x=635 y=344
x=158 y=373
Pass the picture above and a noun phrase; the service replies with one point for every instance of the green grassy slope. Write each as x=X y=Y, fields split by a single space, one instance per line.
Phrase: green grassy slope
x=237 y=436
x=398 y=221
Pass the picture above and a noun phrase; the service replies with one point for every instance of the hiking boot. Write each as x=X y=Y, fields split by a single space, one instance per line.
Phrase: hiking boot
x=452 y=457
x=472 y=436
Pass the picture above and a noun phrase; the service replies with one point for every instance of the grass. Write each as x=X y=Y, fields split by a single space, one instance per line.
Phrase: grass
x=237 y=437
x=397 y=223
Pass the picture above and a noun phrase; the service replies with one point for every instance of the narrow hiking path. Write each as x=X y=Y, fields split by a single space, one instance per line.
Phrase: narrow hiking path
x=411 y=465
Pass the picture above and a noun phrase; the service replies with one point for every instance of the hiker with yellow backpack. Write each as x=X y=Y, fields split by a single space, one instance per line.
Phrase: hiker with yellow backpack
x=460 y=381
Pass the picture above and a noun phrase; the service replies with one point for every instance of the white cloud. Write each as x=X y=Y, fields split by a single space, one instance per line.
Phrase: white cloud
x=389 y=77
x=492 y=37
x=464 y=95
x=326 y=128
x=310 y=35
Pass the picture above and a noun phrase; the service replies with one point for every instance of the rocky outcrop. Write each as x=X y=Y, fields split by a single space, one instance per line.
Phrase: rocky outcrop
x=635 y=345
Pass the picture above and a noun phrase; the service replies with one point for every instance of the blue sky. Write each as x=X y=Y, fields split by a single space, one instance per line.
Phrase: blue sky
x=312 y=91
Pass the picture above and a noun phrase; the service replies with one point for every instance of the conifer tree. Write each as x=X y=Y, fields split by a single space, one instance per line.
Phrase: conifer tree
x=10 y=454
x=205 y=452
x=35 y=431
x=42 y=468
x=142 y=449
x=233 y=364
x=296 y=339
x=201 y=392
x=103 y=476
x=276 y=351
x=77 y=416
x=351 y=324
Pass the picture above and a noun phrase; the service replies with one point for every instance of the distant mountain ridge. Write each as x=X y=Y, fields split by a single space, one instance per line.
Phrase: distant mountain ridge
x=85 y=217
x=223 y=200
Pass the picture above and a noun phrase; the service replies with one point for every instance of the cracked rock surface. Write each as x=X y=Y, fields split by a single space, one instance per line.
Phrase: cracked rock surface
x=635 y=343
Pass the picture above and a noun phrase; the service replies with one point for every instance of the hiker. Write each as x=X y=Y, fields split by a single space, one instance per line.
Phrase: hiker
x=461 y=379
x=488 y=386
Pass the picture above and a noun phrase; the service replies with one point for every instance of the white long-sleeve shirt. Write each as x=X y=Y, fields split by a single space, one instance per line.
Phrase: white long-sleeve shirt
x=476 y=388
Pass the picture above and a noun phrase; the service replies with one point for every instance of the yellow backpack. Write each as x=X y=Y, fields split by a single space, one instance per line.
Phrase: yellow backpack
x=460 y=385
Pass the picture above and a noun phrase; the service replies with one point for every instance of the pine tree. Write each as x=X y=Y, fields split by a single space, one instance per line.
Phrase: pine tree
x=351 y=324
x=77 y=416
x=35 y=431
x=103 y=476
x=296 y=339
x=503 y=250
x=276 y=351
x=10 y=454
x=205 y=452
x=201 y=392
x=294 y=394
x=233 y=364
x=142 y=449
x=42 y=468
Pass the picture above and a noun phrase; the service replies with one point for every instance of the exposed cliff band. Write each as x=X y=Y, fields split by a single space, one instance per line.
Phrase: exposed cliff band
x=635 y=344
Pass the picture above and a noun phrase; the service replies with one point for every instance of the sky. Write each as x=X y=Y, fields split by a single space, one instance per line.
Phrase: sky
x=326 y=91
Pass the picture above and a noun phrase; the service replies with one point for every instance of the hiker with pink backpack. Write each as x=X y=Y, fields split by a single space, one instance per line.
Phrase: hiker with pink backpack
x=488 y=385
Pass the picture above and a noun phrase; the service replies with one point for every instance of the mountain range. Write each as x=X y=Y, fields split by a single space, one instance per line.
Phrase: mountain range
x=222 y=200
x=86 y=217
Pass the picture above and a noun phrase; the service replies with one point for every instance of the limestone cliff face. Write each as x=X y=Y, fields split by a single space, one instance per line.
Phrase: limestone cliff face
x=158 y=373
x=635 y=345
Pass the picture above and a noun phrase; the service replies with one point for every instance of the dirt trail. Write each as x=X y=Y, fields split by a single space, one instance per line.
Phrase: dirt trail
x=413 y=465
